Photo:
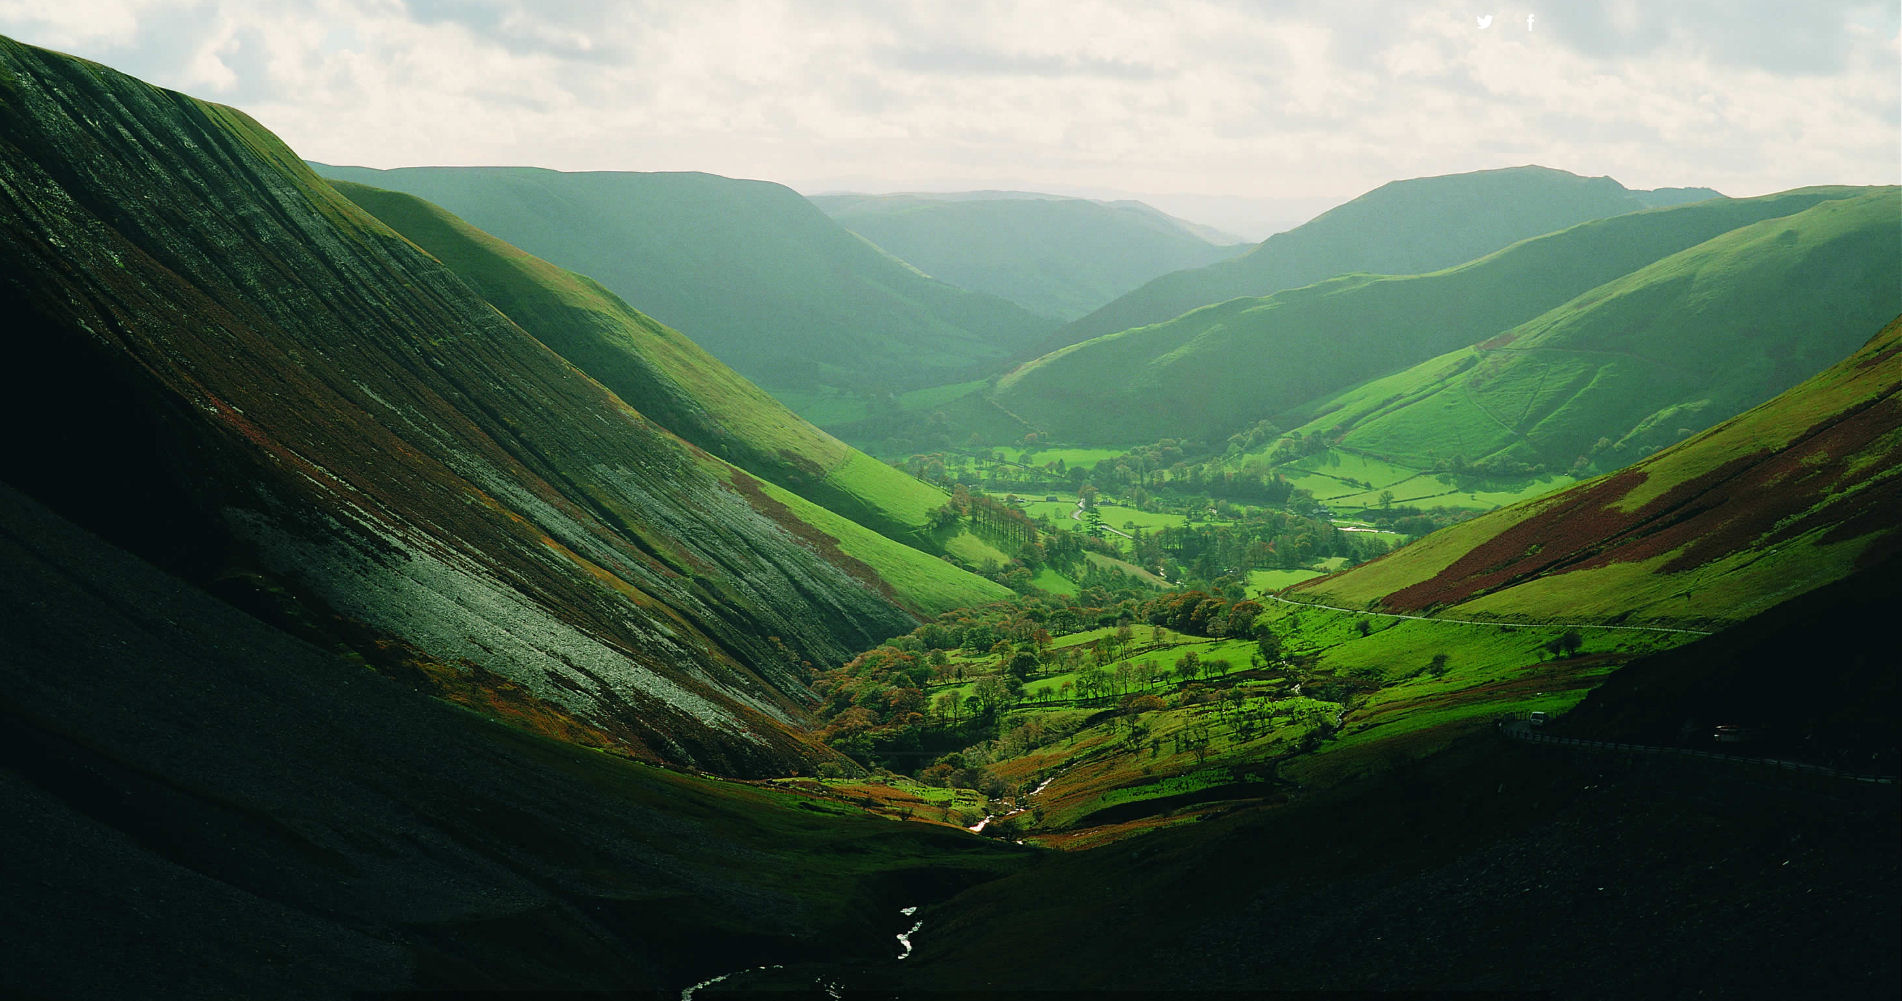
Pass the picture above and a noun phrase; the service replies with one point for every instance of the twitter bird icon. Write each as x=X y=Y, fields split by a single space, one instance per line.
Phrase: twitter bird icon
x=1485 y=21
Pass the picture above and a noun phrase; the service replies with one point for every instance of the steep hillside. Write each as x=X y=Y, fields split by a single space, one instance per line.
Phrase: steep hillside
x=1794 y=494
x=1488 y=870
x=1400 y=228
x=1639 y=362
x=749 y=270
x=233 y=370
x=1062 y=257
x=200 y=805
x=1218 y=369
x=667 y=377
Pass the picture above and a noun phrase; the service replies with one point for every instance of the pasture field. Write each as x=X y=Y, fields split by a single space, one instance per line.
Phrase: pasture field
x=1163 y=747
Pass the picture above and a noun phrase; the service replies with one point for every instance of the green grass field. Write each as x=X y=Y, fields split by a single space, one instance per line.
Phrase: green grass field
x=923 y=582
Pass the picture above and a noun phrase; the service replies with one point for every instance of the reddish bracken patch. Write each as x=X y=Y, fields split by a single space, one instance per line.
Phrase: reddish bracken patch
x=1749 y=502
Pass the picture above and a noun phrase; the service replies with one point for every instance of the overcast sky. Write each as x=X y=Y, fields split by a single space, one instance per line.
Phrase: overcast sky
x=1260 y=100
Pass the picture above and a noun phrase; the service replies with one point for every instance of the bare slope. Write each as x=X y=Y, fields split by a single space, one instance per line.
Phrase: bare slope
x=230 y=368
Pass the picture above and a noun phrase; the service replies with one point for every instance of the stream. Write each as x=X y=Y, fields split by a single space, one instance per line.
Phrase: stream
x=904 y=937
x=978 y=828
x=904 y=942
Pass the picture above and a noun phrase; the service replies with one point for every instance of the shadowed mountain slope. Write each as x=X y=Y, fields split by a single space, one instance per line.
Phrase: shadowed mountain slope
x=200 y=805
x=1216 y=370
x=1491 y=868
x=670 y=379
x=235 y=371
x=1400 y=228
x=749 y=270
x=1785 y=498
x=1062 y=257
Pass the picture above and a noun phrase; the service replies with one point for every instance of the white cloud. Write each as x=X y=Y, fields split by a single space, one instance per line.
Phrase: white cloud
x=1202 y=96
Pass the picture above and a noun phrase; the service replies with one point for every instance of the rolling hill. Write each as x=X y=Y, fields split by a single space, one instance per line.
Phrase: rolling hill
x=1400 y=228
x=749 y=270
x=235 y=372
x=669 y=378
x=1787 y=497
x=1642 y=361
x=1061 y=257
x=1219 y=369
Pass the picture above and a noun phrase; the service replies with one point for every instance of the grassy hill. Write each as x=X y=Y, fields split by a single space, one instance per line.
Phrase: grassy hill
x=1400 y=228
x=1642 y=361
x=1793 y=494
x=661 y=373
x=1218 y=369
x=1061 y=257
x=749 y=270
x=241 y=375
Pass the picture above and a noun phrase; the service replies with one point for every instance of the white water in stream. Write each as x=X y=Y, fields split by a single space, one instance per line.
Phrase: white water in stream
x=904 y=940
x=978 y=828
x=687 y=993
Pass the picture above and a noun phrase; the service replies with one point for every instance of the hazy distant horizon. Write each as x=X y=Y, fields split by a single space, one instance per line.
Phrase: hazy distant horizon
x=1204 y=109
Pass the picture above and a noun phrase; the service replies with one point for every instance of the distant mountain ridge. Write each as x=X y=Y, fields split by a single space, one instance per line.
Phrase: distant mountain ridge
x=749 y=270
x=1216 y=370
x=1050 y=254
x=1400 y=228
x=1639 y=362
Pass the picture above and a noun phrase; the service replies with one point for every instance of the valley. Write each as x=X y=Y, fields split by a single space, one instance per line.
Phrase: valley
x=509 y=580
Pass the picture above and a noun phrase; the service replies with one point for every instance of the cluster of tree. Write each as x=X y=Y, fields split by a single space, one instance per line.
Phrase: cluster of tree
x=1494 y=468
x=874 y=706
x=1263 y=539
x=1199 y=613
x=1414 y=521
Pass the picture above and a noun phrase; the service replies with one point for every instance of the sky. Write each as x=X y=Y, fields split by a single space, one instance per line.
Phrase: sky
x=1210 y=106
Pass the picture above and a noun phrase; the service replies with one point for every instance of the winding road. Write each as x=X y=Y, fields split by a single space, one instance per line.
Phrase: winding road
x=1077 y=516
x=1524 y=732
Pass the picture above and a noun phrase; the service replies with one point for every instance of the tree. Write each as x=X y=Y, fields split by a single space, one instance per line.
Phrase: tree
x=1269 y=643
x=1241 y=618
x=1022 y=666
x=1437 y=666
x=1566 y=645
x=948 y=705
